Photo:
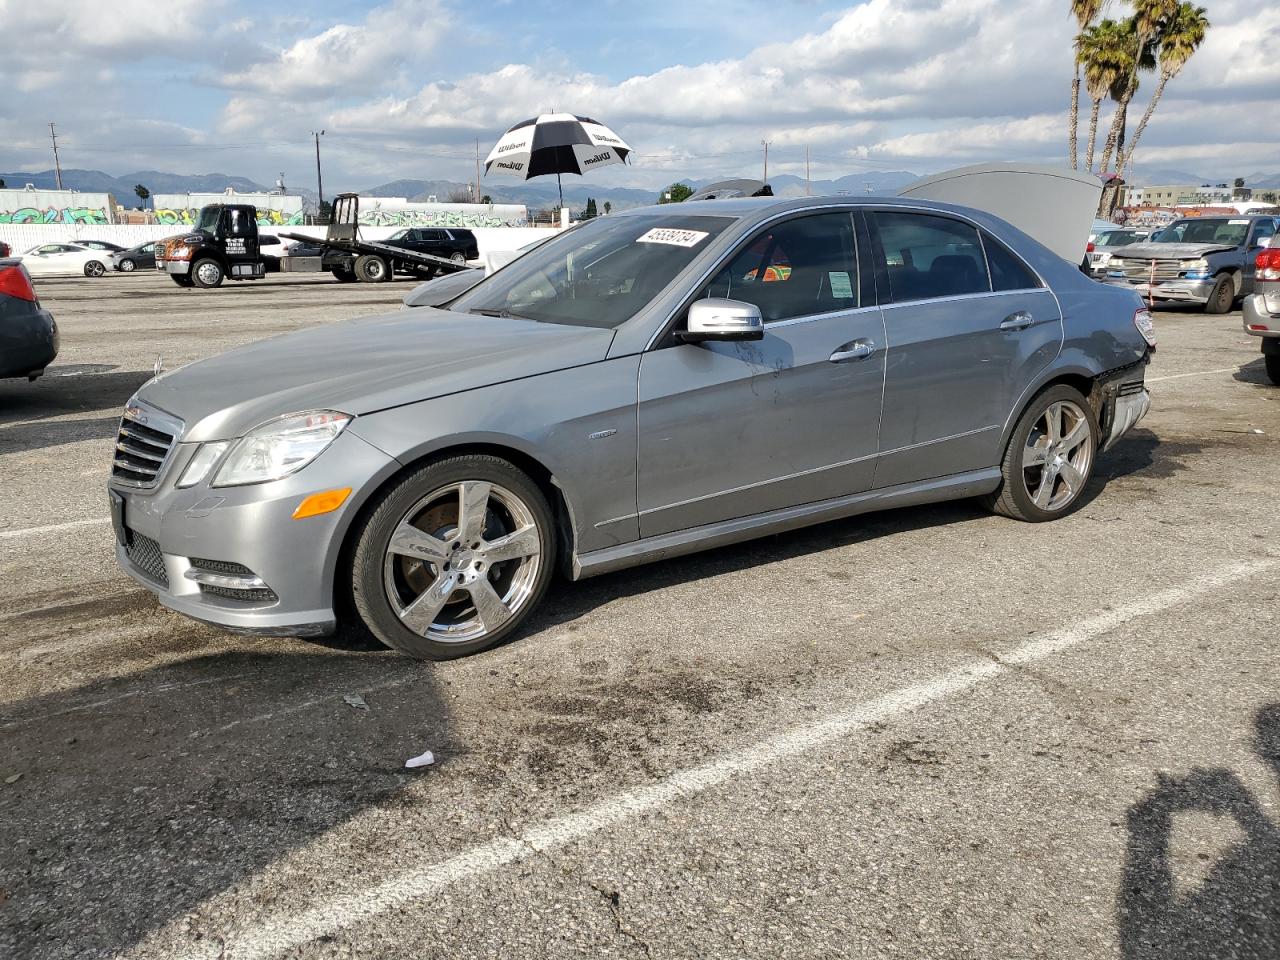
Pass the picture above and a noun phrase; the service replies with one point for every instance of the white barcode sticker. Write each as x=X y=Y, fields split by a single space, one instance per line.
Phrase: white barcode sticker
x=674 y=238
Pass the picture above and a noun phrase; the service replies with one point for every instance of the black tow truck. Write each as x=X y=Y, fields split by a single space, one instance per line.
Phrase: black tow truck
x=349 y=258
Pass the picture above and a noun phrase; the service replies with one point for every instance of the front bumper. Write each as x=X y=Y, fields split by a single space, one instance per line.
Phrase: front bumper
x=1187 y=291
x=200 y=549
x=174 y=267
x=1125 y=400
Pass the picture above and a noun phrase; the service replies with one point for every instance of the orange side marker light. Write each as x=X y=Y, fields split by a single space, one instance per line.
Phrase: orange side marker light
x=320 y=503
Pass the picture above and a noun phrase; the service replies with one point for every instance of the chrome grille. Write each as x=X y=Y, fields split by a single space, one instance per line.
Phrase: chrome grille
x=141 y=448
x=1140 y=270
x=144 y=553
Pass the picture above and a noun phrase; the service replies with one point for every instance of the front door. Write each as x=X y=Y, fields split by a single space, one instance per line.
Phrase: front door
x=969 y=326
x=728 y=430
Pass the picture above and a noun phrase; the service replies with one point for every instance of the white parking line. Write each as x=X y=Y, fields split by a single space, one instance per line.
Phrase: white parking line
x=50 y=528
x=277 y=935
x=1197 y=373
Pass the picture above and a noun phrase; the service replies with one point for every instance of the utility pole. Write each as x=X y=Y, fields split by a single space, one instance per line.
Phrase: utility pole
x=806 y=172
x=477 y=169
x=765 y=144
x=57 y=167
x=319 y=182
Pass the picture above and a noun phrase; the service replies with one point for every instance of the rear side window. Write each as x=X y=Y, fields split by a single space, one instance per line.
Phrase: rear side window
x=1007 y=271
x=928 y=256
x=798 y=268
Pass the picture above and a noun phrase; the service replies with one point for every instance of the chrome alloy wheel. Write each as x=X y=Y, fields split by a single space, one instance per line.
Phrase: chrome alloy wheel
x=208 y=272
x=1057 y=456
x=462 y=561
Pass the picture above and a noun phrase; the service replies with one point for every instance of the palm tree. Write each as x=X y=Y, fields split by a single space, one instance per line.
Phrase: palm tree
x=1104 y=51
x=1148 y=17
x=1180 y=37
x=1084 y=11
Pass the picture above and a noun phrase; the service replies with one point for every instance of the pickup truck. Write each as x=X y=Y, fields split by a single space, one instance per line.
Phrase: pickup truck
x=1262 y=308
x=1205 y=260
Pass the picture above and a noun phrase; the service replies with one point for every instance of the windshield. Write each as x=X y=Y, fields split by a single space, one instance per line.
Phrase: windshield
x=596 y=275
x=1116 y=238
x=1205 y=230
x=208 y=222
x=399 y=235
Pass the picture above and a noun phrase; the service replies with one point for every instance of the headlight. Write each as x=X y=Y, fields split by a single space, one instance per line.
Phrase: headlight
x=1195 y=269
x=1142 y=320
x=280 y=447
x=202 y=463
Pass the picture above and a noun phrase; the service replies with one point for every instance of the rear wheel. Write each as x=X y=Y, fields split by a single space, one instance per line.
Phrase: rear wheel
x=181 y=281
x=94 y=268
x=207 y=273
x=1049 y=459
x=345 y=276
x=1273 y=367
x=458 y=258
x=127 y=266
x=372 y=269
x=454 y=558
x=1223 y=296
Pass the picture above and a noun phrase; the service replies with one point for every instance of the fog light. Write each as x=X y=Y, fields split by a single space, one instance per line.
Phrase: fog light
x=318 y=503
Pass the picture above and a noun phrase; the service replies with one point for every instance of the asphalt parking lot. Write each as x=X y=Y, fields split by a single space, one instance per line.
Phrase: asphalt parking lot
x=924 y=733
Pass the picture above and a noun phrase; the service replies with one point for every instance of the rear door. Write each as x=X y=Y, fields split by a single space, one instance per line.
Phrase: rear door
x=969 y=326
x=1263 y=231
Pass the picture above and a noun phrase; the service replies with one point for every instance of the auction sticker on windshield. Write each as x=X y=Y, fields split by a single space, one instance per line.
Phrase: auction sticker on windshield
x=674 y=238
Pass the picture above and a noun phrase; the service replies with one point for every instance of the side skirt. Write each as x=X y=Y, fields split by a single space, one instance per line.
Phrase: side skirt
x=724 y=532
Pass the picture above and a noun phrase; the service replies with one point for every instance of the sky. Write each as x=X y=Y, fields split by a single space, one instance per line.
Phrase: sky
x=406 y=88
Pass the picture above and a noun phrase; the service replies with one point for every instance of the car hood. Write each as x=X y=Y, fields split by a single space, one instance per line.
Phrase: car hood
x=361 y=366
x=1168 y=251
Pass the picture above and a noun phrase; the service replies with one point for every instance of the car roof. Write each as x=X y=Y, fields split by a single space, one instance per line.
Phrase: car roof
x=754 y=207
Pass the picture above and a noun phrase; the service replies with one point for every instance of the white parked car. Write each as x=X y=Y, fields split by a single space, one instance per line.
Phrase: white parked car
x=65 y=259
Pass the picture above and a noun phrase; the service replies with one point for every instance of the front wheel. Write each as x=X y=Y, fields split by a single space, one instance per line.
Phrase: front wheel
x=1273 y=367
x=1223 y=296
x=207 y=273
x=94 y=268
x=127 y=266
x=1049 y=459
x=454 y=558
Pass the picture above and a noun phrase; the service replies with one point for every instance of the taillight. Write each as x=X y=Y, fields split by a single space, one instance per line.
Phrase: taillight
x=1089 y=248
x=1268 y=264
x=1142 y=320
x=15 y=282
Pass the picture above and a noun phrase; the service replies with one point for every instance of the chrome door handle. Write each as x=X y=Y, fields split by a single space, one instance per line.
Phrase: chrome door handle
x=855 y=350
x=1017 y=321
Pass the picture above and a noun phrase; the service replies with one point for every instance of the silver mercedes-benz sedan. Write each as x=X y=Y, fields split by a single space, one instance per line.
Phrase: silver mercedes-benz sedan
x=651 y=383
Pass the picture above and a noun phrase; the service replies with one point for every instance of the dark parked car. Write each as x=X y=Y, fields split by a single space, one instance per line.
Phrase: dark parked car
x=105 y=245
x=143 y=255
x=456 y=245
x=28 y=334
x=302 y=248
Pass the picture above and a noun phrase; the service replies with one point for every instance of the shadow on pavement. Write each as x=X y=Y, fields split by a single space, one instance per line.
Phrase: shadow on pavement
x=169 y=786
x=1235 y=912
x=1255 y=371
x=26 y=408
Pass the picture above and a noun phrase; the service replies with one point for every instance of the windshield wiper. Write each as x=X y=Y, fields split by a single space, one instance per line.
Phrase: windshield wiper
x=501 y=314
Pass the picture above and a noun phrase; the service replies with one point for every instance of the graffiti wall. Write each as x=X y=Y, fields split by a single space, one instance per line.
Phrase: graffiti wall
x=54 y=206
x=182 y=209
x=396 y=212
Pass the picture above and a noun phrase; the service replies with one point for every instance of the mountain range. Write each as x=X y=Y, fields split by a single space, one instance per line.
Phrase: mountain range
x=539 y=195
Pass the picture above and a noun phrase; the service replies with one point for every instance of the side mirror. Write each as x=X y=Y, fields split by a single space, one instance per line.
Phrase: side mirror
x=718 y=319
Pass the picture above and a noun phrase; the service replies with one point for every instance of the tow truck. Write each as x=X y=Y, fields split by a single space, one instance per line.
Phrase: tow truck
x=350 y=258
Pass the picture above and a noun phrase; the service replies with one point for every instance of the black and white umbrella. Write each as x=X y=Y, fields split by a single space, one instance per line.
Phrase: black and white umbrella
x=555 y=143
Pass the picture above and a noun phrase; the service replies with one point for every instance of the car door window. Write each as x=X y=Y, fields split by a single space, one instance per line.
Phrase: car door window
x=799 y=268
x=1265 y=230
x=49 y=248
x=1007 y=271
x=929 y=256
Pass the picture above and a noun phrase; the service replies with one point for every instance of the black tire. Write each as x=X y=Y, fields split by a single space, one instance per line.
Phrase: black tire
x=127 y=266
x=374 y=577
x=1223 y=297
x=344 y=276
x=181 y=280
x=207 y=272
x=370 y=268
x=1272 y=361
x=94 y=268
x=1013 y=497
